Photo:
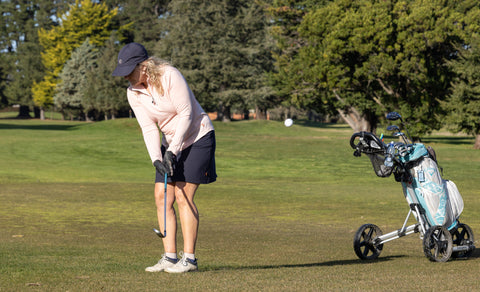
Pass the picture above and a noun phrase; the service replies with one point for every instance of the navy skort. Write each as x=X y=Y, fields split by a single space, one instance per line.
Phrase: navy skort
x=195 y=164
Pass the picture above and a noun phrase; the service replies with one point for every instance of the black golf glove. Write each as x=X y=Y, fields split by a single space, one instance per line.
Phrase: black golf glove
x=169 y=160
x=167 y=165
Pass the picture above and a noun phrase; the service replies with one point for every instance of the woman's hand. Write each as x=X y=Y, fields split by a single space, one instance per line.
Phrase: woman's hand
x=168 y=164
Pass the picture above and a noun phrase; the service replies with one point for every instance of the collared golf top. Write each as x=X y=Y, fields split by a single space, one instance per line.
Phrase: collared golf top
x=176 y=113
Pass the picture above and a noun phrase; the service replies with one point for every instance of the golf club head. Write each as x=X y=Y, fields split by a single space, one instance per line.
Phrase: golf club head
x=160 y=234
x=393 y=116
x=393 y=128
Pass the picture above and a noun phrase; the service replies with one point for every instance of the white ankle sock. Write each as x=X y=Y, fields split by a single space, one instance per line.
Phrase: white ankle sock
x=171 y=255
x=189 y=255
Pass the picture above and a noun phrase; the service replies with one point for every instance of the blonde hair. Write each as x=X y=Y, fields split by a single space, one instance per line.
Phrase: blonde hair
x=154 y=69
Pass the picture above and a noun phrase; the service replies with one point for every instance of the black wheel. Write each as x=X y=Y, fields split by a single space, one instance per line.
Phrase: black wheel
x=364 y=242
x=462 y=235
x=438 y=244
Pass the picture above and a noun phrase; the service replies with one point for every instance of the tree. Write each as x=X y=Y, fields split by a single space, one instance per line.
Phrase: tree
x=70 y=94
x=364 y=58
x=3 y=81
x=463 y=105
x=142 y=18
x=109 y=91
x=222 y=48
x=83 y=19
x=87 y=88
x=19 y=46
x=286 y=17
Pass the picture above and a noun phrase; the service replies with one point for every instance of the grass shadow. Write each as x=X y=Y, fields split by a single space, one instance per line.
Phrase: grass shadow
x=449 y=140
x=312 y=124
x=43 y=127
x=306 y=265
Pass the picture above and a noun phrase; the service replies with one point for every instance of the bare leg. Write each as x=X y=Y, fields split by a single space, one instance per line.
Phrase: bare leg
x=169 y=242
x=184 y=195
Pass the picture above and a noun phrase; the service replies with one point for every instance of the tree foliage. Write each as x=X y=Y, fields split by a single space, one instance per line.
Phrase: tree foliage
x=358 y=59
x=19 y=46
x=84 y=19
x=70 y=92
x=3 y=74
x=222 y=48
x=140 y=20
x=108 y=90
x=368 y=57
x=286 y=17
x=87 y=88
x=463 y=105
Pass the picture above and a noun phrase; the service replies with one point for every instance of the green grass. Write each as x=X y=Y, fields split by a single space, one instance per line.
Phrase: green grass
x=76 y=212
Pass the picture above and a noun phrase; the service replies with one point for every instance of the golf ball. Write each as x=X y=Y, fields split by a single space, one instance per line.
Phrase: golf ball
x=288 y=122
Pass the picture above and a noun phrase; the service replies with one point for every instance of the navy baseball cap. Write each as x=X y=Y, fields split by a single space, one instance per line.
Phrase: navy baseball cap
x=128 y=58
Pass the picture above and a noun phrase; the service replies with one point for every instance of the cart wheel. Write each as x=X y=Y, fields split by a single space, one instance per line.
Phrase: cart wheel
x=364 y=242
x=437 y=244
x=462 y=235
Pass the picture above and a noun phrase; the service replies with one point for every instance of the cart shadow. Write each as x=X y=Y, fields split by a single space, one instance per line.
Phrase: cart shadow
x=475 y=255
x=307 y=265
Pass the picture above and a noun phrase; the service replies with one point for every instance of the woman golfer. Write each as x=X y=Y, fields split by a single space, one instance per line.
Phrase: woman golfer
x=161 y=99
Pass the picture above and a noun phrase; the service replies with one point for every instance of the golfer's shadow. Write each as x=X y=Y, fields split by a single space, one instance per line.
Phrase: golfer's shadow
x=307 y=265
x=474 y=255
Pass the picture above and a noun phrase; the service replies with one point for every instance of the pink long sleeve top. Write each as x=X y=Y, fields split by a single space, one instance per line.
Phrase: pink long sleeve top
x=176 y=113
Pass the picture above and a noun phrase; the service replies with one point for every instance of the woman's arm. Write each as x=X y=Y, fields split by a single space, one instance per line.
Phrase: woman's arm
x=151 y=134
x=183 y=100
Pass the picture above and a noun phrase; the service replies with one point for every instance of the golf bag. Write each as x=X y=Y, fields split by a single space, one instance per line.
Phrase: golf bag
x=440 y=199
x=435 y=202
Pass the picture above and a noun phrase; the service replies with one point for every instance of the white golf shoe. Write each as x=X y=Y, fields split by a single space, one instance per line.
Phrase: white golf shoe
x=164 y=263
x=182 y=266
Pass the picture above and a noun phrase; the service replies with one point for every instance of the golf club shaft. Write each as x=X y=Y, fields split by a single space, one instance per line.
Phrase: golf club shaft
x=165 y=208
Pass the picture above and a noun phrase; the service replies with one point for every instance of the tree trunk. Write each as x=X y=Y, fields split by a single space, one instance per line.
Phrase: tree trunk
x=23 y=112
x=356 y=121
x=36 y=112
x=42 y=113
x=477 y=142
x=260 y=114
x=246 y=114
x=224 y=114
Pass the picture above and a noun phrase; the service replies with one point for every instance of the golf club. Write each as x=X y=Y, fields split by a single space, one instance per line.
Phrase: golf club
x=393 y=116
x=164 y=234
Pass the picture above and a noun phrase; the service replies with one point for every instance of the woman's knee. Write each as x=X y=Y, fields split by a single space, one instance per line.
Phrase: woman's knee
x=182 y=199
x=185 y=193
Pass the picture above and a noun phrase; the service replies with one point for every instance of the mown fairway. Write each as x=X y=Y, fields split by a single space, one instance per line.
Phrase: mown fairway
x=77 y=211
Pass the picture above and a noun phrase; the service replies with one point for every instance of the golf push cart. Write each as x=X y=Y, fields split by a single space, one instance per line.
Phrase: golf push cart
x=435 y=203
